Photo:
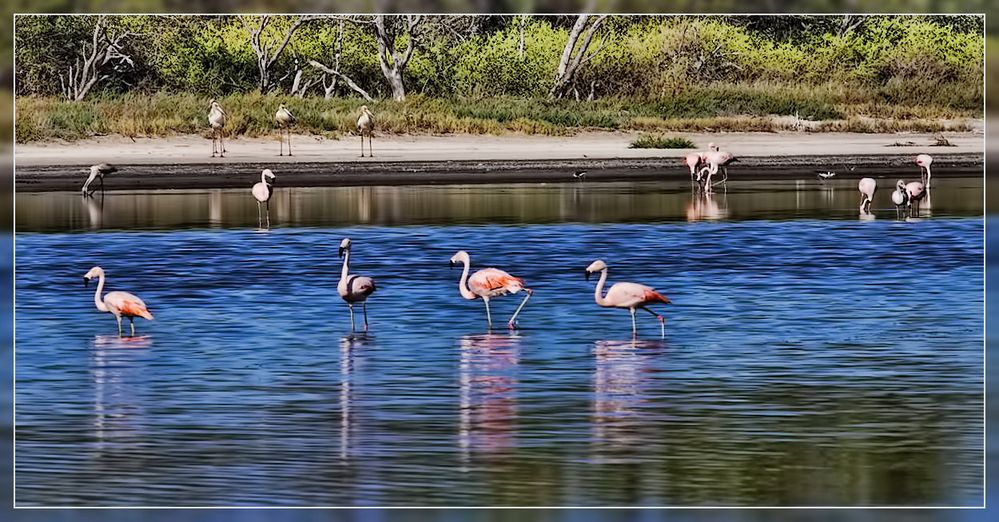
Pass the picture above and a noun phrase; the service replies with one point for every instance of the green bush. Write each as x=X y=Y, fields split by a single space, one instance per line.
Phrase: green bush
x=653 y=141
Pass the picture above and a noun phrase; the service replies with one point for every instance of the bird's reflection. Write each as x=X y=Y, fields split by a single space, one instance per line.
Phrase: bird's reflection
x=116 y=369
x=350 y=347
x=705 y=206
x=215 y=208
x=95 y=210
x=620 y=378
x=866 y=215
x=488 y=403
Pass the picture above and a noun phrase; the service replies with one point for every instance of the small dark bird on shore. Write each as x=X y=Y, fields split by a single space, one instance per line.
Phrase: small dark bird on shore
x=579 y=174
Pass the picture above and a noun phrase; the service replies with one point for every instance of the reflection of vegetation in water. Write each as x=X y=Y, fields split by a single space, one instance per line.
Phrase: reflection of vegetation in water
x=443 y=205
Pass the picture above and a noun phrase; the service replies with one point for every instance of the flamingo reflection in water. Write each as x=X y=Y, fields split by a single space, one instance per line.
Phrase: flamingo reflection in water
x=487 y=393
x=116 y=366
x=620 y=380
x=349 y=347
x=704 y=207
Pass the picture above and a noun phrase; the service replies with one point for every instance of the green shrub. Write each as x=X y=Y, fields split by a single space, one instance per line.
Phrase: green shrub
x=653 y=141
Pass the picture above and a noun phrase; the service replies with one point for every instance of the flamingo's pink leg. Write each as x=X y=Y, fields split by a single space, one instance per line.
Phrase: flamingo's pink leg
x=513 y=320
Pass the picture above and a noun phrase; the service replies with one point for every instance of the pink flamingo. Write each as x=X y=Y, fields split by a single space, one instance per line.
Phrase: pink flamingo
x=714 y=160
x=632 y=296
x=694 y=160
x=867 y=187
x=118 y=303
x=353 y=288
x=924 y=161
x=98 y=171
x=217 y=118
x=488 y=283
x=916 y=192
x=900 y=198
x=262 y=192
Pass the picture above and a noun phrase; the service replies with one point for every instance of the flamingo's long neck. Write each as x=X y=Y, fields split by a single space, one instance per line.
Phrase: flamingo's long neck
x=97 y=295
x=462 y=286
x=598 y=292
x=263 y=179
x=346 y=265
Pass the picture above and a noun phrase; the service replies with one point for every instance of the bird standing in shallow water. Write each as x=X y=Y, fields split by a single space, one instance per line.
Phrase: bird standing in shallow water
x=915 y=192
x=488 y=283
x=366 y=126
x=924 y=161
x=632 y=296
x=285 y=120
x=98 y=171
x=900 y=198
x=216 y=118
x=262 y=192
x=119 y=304
x=867 y=187
x=353 y=288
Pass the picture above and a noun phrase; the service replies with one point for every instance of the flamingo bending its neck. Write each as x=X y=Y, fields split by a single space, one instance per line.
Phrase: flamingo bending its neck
x=924 y=161
x=119 y=304
x=353 y=288
x=488 y=283
x=867 y=187
x=916 y=191
x=631 y=296
x=262 y=192
x=713 y=161
x=98 y=171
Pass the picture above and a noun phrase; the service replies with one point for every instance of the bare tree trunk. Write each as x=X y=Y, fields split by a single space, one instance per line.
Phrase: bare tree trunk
x=266 y=53
x=573 y=57
x=79 y=80
x=520 y=46
x=391 y=61
x=337 y=74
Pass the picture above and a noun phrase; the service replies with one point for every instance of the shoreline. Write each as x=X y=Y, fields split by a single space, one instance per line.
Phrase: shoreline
x=185 y=162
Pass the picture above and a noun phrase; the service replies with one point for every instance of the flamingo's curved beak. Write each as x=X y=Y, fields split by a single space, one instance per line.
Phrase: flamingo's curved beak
x=586 y=274
x=86 y=281
x=450 y=264
x=340 y=252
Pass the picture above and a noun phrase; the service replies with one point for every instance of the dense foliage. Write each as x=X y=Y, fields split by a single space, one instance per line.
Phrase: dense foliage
x=905 y=60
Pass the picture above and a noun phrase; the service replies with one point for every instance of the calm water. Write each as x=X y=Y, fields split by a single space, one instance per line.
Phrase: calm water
x=811 y=358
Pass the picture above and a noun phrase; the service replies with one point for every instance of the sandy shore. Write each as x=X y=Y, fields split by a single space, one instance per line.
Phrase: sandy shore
x=186 y=162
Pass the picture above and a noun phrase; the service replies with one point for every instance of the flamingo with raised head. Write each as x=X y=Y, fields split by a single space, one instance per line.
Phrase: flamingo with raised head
x=262 y=192
x=119 y=304
x=632 y=296
x=916 y=192
x=97 y=171
x=216 y=118
x=867 y=187
x=353 y=288
x=366 y=127
x=924 y=161
x=900 y=198
x=285 y=120
x=488 y=283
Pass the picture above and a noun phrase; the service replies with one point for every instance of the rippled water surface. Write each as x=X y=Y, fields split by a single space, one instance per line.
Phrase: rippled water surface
x=811 y=357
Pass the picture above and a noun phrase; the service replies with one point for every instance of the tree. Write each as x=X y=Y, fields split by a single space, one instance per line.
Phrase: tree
x=92 y=65
x=574 y=56
x=392 y=62
x=269 y=52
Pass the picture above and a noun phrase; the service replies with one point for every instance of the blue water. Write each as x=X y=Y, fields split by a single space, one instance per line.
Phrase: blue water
x=806 y=362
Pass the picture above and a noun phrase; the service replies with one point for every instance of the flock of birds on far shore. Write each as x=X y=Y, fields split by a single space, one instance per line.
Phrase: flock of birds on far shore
x=486 y=283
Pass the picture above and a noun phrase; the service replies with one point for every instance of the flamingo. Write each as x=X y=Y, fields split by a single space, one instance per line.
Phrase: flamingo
x=216 y=118
x=366 y=126
x=900 y=197
x=916 y=192
x=696 y=159
x=488 y=283
x=118 y=303
x=924 y=161
x=353 y=288
x=714 y=160
x=285 y=120
x=98 y=171
x=867 y=187
x=262 y=192
x=632 y=296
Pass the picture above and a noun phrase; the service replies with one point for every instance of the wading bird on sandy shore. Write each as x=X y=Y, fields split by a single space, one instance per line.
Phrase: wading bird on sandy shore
x=262 y=192
x=97 y=171
x=119 y=304
x=631 y=296
x=216 y=118
x=915 y=191
x=366 y=126
x=488 y=283
x=924 y=161
x=867 y=187
x=353 y=288
x=285 y=120
x=900 y=198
